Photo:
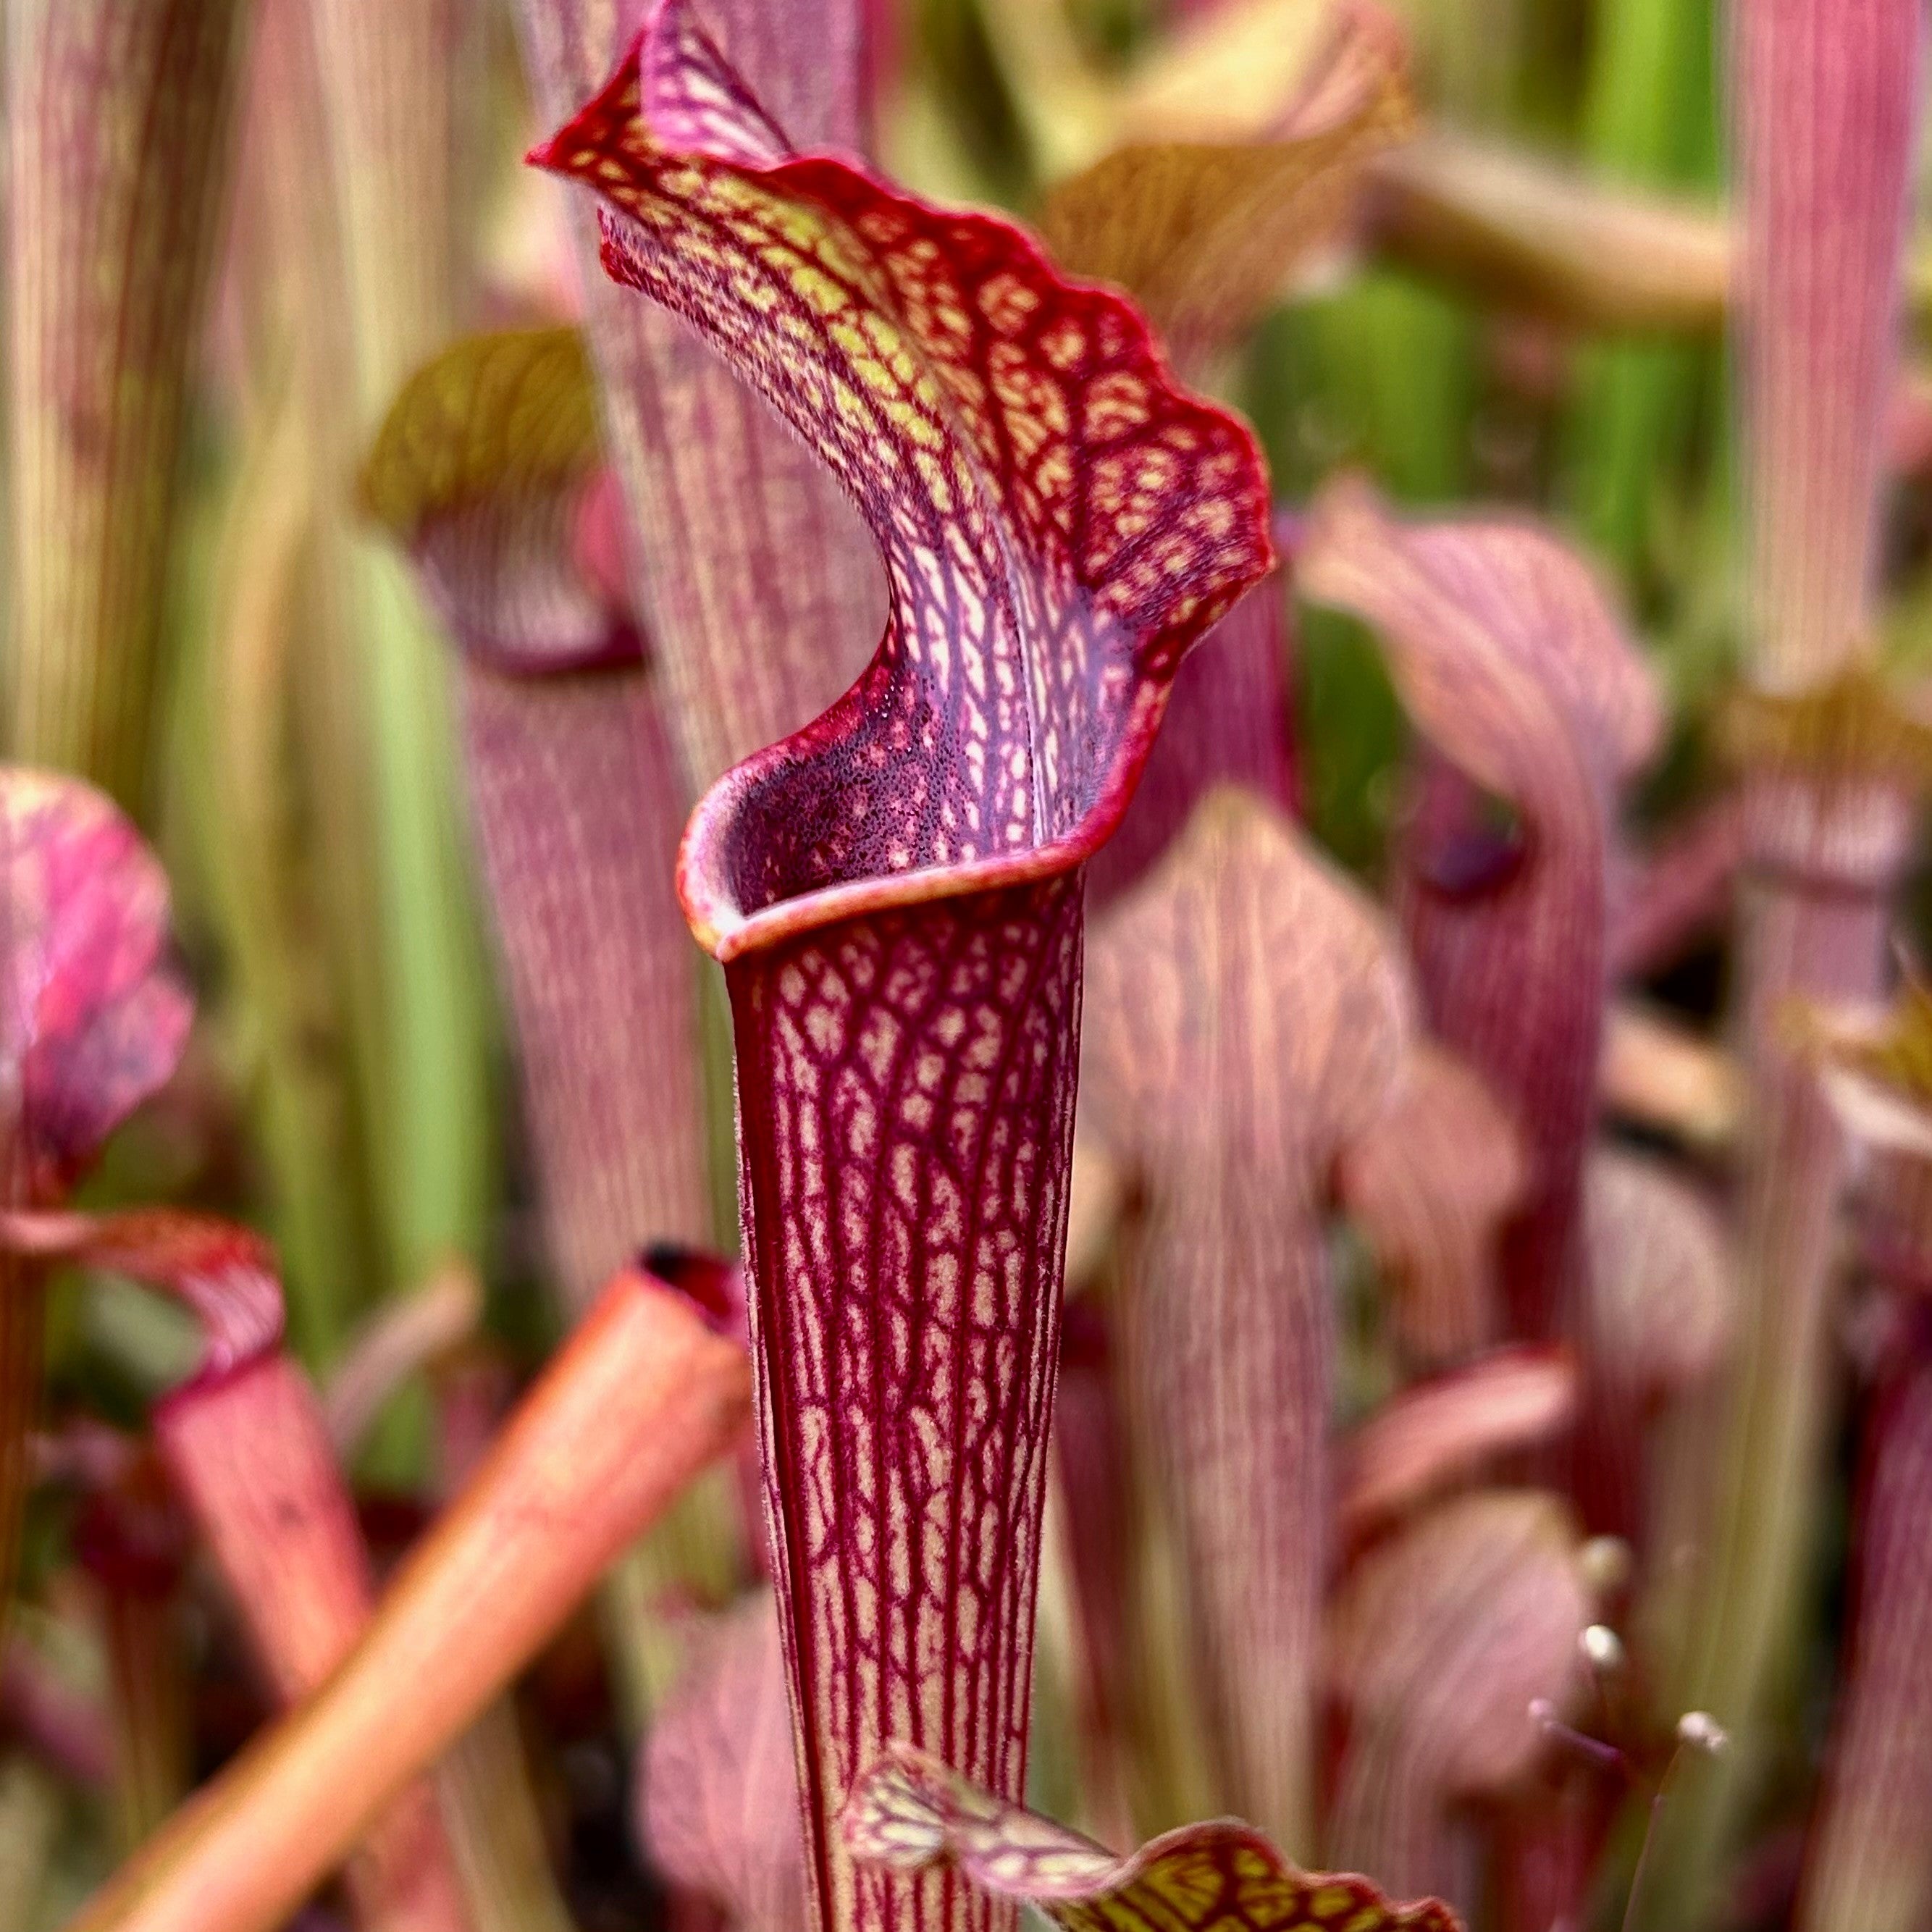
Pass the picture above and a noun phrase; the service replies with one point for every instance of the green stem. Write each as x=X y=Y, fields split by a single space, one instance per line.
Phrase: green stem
x=263 y=894
x=496 y=1830
x=392 y=89
x=1650 y=118
x=30 y=1820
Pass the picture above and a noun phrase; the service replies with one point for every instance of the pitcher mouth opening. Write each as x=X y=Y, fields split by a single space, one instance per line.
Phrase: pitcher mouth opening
x=722 y=828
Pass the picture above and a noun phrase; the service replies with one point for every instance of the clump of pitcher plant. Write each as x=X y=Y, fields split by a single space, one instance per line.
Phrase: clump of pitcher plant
x=1206 y=1124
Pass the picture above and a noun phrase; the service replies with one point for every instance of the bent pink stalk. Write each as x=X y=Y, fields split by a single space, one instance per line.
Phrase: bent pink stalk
x=1250 y=1016
x=1507 y=653
x=895 y=892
